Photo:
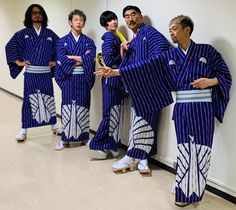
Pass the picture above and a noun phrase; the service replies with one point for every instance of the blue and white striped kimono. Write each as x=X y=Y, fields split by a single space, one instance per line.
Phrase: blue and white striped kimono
x=108 y=133
x=194 y=111
x=142 y=141
x=38 y=103
x=76 y=83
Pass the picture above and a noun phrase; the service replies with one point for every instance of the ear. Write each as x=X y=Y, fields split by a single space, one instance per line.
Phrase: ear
x=187 y=29
x=70 y=22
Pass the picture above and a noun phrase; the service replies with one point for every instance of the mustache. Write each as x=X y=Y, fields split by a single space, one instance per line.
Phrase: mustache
x=131 y=22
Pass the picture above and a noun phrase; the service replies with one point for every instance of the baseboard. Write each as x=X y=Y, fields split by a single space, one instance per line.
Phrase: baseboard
x=213 y=186
x=10 y=93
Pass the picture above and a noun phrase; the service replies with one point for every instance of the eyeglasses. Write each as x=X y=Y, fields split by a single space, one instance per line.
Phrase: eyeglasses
x=36 y=13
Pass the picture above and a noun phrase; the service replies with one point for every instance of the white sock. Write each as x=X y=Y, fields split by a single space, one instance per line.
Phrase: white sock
x=54 y=126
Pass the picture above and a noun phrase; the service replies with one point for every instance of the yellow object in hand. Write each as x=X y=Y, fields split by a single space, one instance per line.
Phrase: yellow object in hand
x=120 y=35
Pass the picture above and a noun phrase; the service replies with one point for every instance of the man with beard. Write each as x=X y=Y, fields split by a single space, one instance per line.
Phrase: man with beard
x=146 y=42
x=34 y=49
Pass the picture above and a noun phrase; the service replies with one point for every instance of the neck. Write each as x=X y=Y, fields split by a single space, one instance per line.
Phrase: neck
x=185 y=44
x=37 y=25
x=136 y=30
x=113 y=31
x=76 y=33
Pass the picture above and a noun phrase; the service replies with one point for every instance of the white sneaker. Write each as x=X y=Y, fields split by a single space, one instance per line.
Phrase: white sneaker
x=114 y=153
x=61 y=145
x=21 y=136
x=98 y=154
x=101 y=155
x=173 y=187
x=56 y=130
x=143 y=167
x=87 y=144
x=124 y=164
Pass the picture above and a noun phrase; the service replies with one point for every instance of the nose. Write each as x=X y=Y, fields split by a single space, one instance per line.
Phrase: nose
x=130 y=18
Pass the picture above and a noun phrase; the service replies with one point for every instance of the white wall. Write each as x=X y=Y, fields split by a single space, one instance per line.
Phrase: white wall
x=214 y=24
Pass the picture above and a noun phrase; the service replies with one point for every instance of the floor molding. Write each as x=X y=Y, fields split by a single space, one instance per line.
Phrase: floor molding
x=156 y=162
x=211 y=189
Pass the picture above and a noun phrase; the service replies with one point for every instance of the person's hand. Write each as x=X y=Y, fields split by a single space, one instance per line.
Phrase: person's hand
x=52 y=63
x=76 y=58
x=203 y=83
x=87 y=52
x=123 y=48
x=22 y=63
x=107 y=72
x=124 y=45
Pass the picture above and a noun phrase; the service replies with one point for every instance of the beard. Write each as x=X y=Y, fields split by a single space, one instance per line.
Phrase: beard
x=37 y=20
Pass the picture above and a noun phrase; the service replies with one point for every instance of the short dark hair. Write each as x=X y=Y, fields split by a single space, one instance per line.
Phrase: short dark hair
x=129 y=7
x=28 y=16
x=77 y=12
x=106 y=17
x=184 y=21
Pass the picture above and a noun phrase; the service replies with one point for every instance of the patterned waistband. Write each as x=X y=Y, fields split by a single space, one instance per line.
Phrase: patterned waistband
x=38 y=69
x=78 y=70
x=185 y=96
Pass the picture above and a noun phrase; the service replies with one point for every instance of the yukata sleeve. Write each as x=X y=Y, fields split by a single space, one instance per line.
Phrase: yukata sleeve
x=89 y=63
x=221 y=92
x=146 y=83
x=54 y=51
x=157 y=43
x=62 y=59
x=55 y=41
x=112 y=59
x=14 y=51
x=109 y=53
x=64 y=65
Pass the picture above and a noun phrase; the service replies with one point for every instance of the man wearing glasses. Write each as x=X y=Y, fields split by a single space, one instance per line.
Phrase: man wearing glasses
x=34 y=49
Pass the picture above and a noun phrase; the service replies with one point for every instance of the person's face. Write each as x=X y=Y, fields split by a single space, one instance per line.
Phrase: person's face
x=178 y=34
x=36 y=15
x=112 y=25
x=133 y=19
x=77 y=23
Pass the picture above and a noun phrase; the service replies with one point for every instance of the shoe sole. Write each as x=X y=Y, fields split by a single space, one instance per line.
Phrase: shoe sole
x=130 y=167
x=21 y=140
x=144 y=171
x=59 y=149
x=179 y=204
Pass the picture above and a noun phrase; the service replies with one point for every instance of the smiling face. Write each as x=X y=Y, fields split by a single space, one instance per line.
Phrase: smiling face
x=133 y=19
x=112 y=25
x=77 y=23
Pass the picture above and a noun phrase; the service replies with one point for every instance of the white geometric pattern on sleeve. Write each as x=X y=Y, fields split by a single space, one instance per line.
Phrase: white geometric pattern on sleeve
x=42 y=107
x=193 y=165
x=75 y=120
x=141 y=134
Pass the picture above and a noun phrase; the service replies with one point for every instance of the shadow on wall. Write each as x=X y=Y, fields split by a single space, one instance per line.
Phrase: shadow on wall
x=147 y=20
x=226 y=50
x=124 y=31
